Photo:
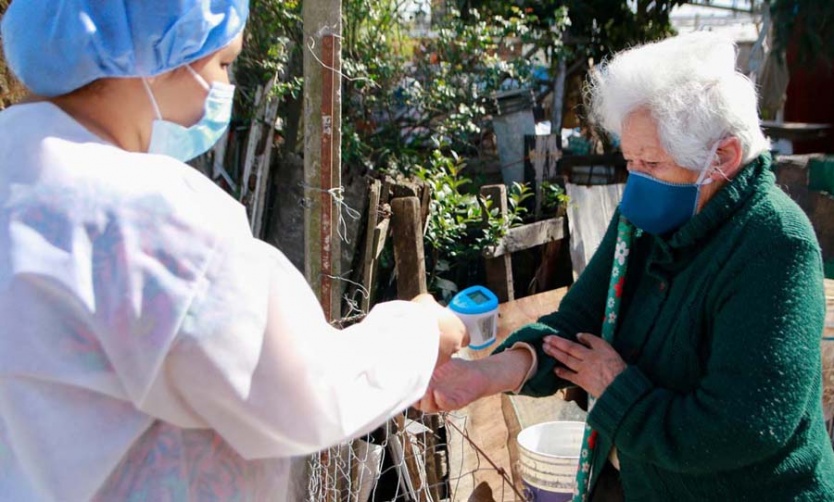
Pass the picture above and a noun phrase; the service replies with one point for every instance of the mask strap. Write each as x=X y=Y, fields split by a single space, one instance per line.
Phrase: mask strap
x=722 y=174
x=197 y=77
x=153 y=100
x=702 y=178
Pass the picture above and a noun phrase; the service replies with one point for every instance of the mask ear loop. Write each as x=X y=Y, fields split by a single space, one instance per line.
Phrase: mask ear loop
x=702 y=178
x=719 y=171
x=153 y=99
x=198 y=78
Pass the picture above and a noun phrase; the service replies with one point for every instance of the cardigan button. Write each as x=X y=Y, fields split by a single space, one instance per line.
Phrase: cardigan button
x=662 y=286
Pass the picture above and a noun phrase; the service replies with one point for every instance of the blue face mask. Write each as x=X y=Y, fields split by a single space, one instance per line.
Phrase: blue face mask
x=185 y=143
x=659 y=207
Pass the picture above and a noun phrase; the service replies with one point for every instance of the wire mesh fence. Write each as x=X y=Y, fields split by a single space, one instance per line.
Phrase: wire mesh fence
x=412 y=457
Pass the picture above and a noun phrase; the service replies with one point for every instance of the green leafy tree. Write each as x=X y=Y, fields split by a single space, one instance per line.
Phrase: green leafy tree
x=273 y=38
x=593 y=30
x=597 y=27
x=406 y=96
x=411 y=106
x=417 y=107
x=462 y=224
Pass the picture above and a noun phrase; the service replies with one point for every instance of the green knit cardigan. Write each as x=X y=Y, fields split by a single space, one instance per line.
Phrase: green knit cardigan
x=720 y=326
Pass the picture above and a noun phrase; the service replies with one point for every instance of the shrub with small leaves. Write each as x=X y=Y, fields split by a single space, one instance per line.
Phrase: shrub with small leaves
x=462 y=224
x=554 y=198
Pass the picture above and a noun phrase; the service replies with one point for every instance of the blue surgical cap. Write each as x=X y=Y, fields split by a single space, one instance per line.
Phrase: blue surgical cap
x=57 y=46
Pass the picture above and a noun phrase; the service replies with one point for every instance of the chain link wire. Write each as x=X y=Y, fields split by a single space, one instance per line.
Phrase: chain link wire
x=413 y=457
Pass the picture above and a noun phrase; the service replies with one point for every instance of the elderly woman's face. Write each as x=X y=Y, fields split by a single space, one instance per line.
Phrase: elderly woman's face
x=645 y=154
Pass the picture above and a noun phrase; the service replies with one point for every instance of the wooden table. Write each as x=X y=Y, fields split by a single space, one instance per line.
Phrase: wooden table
x=794 y=131
x=494 y=422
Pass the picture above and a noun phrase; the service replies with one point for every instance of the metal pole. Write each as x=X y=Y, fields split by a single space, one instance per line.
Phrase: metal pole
x=322 y=150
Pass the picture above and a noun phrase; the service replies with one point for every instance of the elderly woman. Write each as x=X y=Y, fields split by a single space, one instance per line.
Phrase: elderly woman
x=710 y=388
x=150 y=347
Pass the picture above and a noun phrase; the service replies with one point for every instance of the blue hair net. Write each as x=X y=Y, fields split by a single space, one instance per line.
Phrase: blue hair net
x=57 y=46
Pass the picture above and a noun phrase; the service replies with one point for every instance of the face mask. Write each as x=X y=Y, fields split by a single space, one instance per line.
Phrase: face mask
x=659 y=207
x=185 y=143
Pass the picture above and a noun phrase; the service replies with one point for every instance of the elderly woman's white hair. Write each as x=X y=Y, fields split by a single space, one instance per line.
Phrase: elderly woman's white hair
x=690 y=86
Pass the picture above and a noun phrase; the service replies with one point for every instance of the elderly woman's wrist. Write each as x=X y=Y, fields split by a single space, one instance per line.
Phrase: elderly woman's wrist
x=509 y=370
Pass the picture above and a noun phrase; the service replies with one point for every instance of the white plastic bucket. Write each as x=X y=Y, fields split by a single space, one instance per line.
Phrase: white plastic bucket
x=548 y=459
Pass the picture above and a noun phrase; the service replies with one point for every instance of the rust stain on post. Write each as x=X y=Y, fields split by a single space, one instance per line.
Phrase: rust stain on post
x=327 y=90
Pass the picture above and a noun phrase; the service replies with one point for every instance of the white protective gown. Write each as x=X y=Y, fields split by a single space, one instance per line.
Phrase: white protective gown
x=151 y=348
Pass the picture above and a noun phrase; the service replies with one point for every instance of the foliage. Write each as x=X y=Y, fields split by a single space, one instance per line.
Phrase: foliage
x=589 y=32
x=462 y=224
x=418 y=106
x=373 y=62
x=810 y=23
x=406 y=97
x=517 y=194
x=272 y=34
x=554 y=198
x=415 y=105
x=597 y=28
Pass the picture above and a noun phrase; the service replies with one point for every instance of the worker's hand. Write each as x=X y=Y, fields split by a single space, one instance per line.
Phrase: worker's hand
x=454 y=385
x=591 y=364
x=453 y=334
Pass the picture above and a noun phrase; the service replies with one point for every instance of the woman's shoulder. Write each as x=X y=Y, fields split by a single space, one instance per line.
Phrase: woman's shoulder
x=96 y=209
x=81 y=182
x=32 y=122
x=772 y=217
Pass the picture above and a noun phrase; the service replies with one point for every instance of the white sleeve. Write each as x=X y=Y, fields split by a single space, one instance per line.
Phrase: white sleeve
x=256 y=360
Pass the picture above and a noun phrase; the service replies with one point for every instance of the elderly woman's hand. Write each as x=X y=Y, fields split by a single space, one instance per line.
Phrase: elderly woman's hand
x=460 y=382
x=454 y=385
x=591 y=364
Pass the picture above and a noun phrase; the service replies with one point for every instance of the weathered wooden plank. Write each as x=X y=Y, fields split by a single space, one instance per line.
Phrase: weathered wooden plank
x=369 y=261
x=263 y=162
x=822 y=207
x=542 y=158
x=403 y=188
x=528 y=236
x=218 y=171
x=792 y=176
x=433 y=458
x=385 y=193
x=513 y=423
x=409 y=254
x=499 y=270
x=251 y=145
x=425 y=205
x=380 y=236
x=411 y=461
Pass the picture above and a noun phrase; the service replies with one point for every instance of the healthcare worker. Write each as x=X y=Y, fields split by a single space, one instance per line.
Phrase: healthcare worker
x=150 y=347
